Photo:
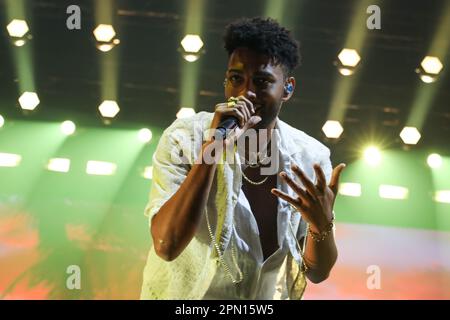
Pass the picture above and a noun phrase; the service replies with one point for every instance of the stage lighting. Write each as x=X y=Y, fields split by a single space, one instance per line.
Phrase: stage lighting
x=393 y=192
x=191 y=44
x=332 y=129
x=410 y=135
x=104 y=34
x=148 y=172
x=145 y=135
x=68 y=127
x=429 y=69
x=59 y=165
x=434 y=161
x=29 y=100
x=372 y=156
x=109 y=109
x=9 y=160
x=100 y=168
x=350 y=189
x=347 y=61
x=18 y=30
x=185 y=113
x=442 y=196
x=2 y=121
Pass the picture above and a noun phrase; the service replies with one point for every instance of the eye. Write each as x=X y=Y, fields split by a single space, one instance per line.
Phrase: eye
x=234 y=78
x=262 y=82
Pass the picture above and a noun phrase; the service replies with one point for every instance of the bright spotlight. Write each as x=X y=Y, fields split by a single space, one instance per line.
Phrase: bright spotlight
x=185 y=113
x=104 y=32
x=100 y=168
x=59 y=165
x=9 y=160
x=145 y=135
x=17 y=28
x=350 y=189
x=410 y=135
x=29 y=100
x=2 y=121
x=372 y=155
x=68 y=127
x=349 y=57
x=431 y=65
x=442 y=196
x=429 y=69
x=393 y=192
x=148 y=172
x=192 y=43
x=19 y=43
x=434 y=161
x=332 y=129
x=109 y=109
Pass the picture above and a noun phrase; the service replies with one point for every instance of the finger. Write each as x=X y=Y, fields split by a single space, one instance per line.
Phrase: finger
x=334 y=183
x=294 y=185
x=248 y=104
x=321 y=180
x=237 y=113
x=241 y=106
x=310 y=187
x=252 y=122
x=285 y=197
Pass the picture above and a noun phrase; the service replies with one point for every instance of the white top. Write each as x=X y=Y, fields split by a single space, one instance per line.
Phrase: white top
x=197 y=272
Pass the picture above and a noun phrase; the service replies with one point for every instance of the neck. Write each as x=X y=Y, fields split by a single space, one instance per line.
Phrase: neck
x=264 y=146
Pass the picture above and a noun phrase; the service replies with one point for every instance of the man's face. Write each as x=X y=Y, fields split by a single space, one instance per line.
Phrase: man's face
x=255 y=77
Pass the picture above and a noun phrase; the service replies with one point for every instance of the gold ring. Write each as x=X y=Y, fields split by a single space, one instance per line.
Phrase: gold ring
x=231 y=104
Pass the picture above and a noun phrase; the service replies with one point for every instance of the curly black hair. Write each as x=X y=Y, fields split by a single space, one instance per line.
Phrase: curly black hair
x=265 y=36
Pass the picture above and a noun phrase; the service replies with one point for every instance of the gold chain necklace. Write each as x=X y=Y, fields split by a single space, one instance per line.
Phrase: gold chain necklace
x=255 y=183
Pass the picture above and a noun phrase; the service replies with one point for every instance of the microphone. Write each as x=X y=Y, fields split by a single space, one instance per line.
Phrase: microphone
x=228 y=124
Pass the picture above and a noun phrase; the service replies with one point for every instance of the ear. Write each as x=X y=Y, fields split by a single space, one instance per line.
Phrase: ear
x=289 y=87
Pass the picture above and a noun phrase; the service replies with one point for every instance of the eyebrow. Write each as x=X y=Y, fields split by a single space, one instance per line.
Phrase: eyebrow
x=257 y=73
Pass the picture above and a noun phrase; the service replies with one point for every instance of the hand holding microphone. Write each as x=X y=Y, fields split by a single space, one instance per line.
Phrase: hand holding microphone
x=233 y=118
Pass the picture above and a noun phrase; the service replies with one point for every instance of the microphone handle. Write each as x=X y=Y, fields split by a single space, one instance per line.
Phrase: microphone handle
x=226 y=125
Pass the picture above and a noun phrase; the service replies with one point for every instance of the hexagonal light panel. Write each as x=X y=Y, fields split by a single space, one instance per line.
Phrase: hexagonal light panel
x=104 y=32
x=29 y=100
x=192 y=43
x=17 y=28
x=349 y=57
x=332 y=129
x=109 y=109
x=431 y=65
x=410 y=135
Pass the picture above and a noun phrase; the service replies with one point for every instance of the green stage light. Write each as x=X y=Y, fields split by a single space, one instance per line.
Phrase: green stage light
x=59 y=165
x=350 y=189
x=393 y=192
x=100 y=168
x=372 y=155
x=9 y=160
x=434 y=160
x=145 y=135
x=68 y=127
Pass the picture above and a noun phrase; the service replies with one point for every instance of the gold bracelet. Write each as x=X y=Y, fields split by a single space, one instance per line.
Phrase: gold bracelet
x=317 y=237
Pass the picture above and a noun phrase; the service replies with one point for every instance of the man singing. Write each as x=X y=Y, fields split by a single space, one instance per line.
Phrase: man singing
x=247 y=222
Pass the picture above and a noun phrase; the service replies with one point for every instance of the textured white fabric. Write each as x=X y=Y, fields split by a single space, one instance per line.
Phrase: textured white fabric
x=196 y=273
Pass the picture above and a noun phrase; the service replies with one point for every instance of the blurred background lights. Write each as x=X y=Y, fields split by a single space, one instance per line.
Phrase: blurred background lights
x=109 y=109
x=434 y=160
x=17 y=28
x=372 y=155
x=332 y=129
x=410 y=135
x=9 y=160
x=59 y=165
x=350 y=189
x=393 y=192
x=29 y=100
x=68 y=127
x=185 y=113
x=145 y=135
x=100 y=168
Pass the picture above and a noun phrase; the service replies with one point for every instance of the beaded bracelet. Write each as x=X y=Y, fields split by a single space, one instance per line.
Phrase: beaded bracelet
x=317 y=237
